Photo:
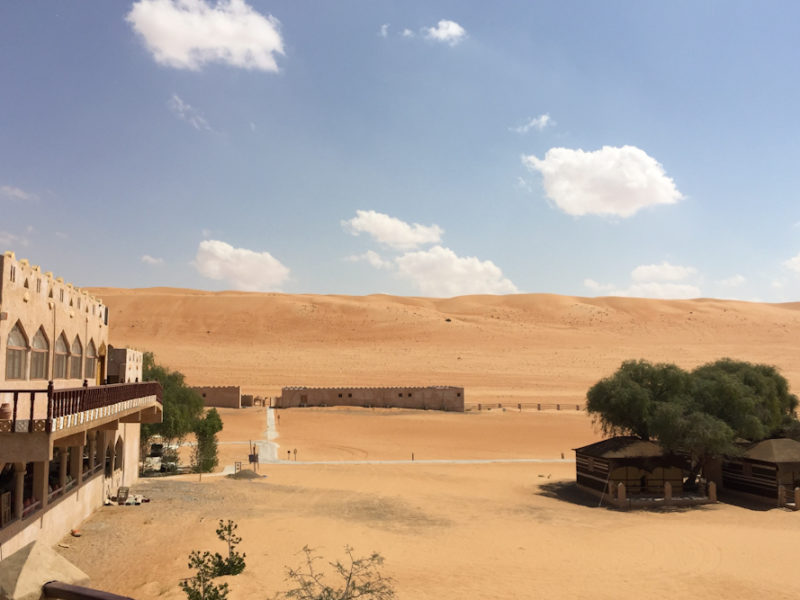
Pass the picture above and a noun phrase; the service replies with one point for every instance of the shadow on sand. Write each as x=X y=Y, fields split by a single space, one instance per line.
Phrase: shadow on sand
x=568 y=491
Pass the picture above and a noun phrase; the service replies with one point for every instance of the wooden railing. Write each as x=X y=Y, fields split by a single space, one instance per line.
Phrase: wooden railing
x=524 y=406
x=65 y=402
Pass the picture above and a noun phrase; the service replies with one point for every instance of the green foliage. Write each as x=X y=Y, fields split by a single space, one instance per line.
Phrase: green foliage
x=702 y=413
x=354 y=578
x=233 y=564
x=200 y=586
x=205 y=451
x=182 y=405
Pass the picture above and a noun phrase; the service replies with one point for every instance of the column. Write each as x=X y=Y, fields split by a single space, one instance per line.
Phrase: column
x=19 y=489
x=92 y=451
x=62 y=469
x=76 y=463
x=40 y=469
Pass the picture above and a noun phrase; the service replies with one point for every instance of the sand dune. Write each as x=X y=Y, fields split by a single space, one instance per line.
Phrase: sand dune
x=532 y=347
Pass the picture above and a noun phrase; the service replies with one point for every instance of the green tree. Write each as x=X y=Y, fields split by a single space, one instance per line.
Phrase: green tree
x=205 y=451
x=201 y=586
x=233 y=564
x=354 y=578
x=182 y=406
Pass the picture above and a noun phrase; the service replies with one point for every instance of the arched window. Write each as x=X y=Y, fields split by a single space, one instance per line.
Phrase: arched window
x=16 y=354
x=40 y=356
x=76 y=359
x=91 y=360
x=61 y=354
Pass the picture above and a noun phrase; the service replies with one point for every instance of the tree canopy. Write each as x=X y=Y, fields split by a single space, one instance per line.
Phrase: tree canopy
x=702 y=412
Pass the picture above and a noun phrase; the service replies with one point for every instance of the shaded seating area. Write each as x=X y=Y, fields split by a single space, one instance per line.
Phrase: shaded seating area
x=767 y=472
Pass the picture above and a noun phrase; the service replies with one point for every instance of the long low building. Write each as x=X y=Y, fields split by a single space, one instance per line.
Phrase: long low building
x=447 y=398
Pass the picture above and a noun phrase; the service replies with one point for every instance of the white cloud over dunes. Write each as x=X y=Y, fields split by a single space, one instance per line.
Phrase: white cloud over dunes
x=435 y=271
x=187 y=34
x=391 y=231
x=187 y=112
x=537 y=123
x=793 y=264
x=152 y=260
x=665 y=281
x=14 y=193
x=244 y=269
x=448 y=32
x=612 y=181
x=441 y=272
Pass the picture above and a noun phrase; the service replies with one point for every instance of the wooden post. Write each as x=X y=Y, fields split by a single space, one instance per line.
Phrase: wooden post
x=667 y=492
x=797 y=498
x=621 y=495
x=781 y=496
x=712 y=491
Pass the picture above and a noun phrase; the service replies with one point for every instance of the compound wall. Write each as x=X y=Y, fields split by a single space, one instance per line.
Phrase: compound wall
x=220 y=396
x=446 y=398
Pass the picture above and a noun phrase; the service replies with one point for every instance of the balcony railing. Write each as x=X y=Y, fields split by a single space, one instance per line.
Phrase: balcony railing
x=28 y=414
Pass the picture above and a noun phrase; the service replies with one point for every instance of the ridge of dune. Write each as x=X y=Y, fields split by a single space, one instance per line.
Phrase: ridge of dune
x=523 y=347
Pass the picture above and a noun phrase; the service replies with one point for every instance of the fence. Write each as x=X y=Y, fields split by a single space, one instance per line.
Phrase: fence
x=60 y=403
x=520 y=406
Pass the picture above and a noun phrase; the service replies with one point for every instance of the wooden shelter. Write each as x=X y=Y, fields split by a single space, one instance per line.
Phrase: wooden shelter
x=642 y=466
x=763 y=468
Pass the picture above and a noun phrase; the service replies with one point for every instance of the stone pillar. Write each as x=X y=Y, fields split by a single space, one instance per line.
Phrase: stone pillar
x=40 y=469
x=62 y=468
x=781 y=496
x=712 y=491
x=19 y=489
x=612 y=488
x=621 y=495
x=111 y=452
x=797 y=498
x=92 y=451
x=667 y=492
x=76 y=463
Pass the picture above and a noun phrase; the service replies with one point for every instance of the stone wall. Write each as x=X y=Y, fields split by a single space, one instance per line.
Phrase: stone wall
x=220 y=396
x=446 y=398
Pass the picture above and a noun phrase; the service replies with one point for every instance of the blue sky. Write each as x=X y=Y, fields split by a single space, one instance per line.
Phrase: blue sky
x=412 y=148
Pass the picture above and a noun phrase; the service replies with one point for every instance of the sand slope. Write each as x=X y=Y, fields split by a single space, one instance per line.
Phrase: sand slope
x=530 y=347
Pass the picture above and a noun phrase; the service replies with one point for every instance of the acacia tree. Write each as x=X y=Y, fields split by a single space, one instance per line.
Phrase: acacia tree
x=701 y=413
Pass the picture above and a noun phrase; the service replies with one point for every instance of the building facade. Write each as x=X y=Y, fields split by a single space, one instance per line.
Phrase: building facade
x=66 y=442
x=221 y=396
x=124 y=365
x=447 y=398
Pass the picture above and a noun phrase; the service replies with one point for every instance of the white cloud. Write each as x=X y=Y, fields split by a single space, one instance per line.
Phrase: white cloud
x=610 y=181
x=793 y=264
x=733 y=281
x=373 y=258
x=384 y=31
x=662 y=272
x=391 y=231
x=407 y=33
x=151 y=260
x=440 y=272
x=537 y=123
x=665 y=281
x=448 y=32
x=187 y=34
x=9 y=240
x=244 y=269
x=15 y=193
x=186 y=112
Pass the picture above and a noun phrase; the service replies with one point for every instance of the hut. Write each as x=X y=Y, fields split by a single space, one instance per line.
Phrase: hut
x=763 y=469
x=641 y=465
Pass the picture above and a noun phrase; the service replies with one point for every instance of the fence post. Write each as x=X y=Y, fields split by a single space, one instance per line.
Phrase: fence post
x=539 y=406
x=558 y=407
x=519 y=406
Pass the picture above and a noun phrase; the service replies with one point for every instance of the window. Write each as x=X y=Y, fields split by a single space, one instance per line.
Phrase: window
x=75 y=359
x=61 y=354
x=40 y=356
x=16 y=354
x=91 y=360
x=61 y=295
x=38 y=286
x=13 y=274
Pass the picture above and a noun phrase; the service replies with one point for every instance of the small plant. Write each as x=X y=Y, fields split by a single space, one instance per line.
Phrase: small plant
x=234 y=563
x=201 y=586
x=356 y=578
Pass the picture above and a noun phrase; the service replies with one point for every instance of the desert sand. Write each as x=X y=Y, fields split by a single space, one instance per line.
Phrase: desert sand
x=448 y=530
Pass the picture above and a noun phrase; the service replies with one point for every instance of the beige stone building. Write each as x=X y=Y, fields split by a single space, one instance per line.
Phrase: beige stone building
x=220 y=396
x=124 y=365
x=448 y=398
x=66 y=441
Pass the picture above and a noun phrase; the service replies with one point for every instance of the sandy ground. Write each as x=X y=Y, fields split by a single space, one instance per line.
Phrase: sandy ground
x=447 y=531
x=521 y=348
